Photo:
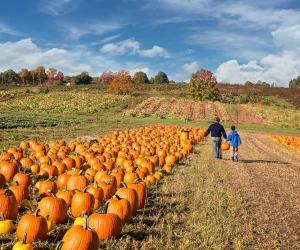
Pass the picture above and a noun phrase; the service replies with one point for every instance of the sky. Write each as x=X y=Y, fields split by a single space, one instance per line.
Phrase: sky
x=237 y=40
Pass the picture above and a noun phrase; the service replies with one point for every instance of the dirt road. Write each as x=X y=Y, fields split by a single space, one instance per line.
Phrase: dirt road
x=268 y=177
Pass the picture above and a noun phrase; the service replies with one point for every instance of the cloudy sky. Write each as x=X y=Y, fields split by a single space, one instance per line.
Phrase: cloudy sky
x=237 y=40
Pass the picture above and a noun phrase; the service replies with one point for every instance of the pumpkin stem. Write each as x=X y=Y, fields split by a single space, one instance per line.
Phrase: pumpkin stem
x=85 y=224
x=24 y=238
x=8 y=192
x=59 y=245
x=36 y=213
x=104 y=208
x=124 y=184
x=117 y=197
x=137 y=181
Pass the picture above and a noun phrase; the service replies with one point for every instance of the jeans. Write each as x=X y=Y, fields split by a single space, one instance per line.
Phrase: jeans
x=216 y=142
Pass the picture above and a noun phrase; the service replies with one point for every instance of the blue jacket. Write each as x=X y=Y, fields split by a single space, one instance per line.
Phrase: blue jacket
x=216 y=130
x=234 y=138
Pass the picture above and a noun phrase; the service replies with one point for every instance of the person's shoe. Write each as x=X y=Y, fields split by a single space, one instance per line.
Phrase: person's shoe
x=237 y=158
x=232 y=158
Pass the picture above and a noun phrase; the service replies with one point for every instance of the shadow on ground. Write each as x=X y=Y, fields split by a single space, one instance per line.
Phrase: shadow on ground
x=264 y=161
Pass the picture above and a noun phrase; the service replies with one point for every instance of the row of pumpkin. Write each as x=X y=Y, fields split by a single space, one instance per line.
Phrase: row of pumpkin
x=100 y=184
x=292 y=142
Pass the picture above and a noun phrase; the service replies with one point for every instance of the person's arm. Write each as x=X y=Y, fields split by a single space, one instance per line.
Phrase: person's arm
x=229 y=137
x=240 y=140
x=207 y=131
x=223 y=132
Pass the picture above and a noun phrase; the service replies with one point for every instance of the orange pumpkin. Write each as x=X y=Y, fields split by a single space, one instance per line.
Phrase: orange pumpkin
x=8 y=205
x=120 y=207
x=107 y=226
x=82 y=203
x=34 y=226
x=54 y=208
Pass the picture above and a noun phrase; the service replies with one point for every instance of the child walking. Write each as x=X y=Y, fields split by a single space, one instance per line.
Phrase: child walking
x=235 y=141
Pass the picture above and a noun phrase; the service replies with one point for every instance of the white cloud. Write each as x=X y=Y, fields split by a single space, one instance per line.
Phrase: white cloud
x=97 y=28
x=129 y=46
x=279 y=67
x=274 y=68
x=5 y=29
x=25 y=53
x=237 y=13
x=191 y=67
x=133 y=47
x=231 y=43
x=56 y=7
x=145 y=70
x=186 y=70
x=106 y=40
x=287 y=36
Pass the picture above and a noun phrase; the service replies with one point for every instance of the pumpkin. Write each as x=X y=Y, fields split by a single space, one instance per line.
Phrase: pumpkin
x=20 y=192
x=8 y=169
x=66 y=196
x=81 y=238
x=77 y=182
x=47 y=187
x=79 y=221
x=130 y=195
x=108 y=189
x=120 y=207
x=97 y=193
x=22 y=179
x=34 y=225
x=107 y=226
x=8 y=205
x=141 y=193
x=82 y=203
x=6 y=226
x=2 y=180
x=56 y=209
x=130 y=177
x=225 y=146
x=21 y=245
x=62 y=180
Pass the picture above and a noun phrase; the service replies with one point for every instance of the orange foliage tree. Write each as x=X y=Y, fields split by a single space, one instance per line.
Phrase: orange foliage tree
x=122 y=83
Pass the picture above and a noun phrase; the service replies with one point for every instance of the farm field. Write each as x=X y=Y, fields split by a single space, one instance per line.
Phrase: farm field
x=204 y=203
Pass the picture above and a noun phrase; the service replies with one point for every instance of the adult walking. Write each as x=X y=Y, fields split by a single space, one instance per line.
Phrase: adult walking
x=217 y=131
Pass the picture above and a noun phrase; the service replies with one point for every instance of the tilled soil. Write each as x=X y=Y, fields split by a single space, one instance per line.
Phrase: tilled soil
x=268 y=177
x=193 y=110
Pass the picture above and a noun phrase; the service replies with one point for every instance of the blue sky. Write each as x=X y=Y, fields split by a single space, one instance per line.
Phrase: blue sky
x=237 y=40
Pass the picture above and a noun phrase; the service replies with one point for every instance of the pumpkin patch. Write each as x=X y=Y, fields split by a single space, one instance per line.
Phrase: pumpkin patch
x=95 y=186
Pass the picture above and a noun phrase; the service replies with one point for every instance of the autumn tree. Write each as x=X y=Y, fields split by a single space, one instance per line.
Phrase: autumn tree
x=40 y=74
x=161 y=78
x=203 y=86
x=106 y=77
x=51 y=74
x=122 y=83
x=24 y=75
x=60 y=77
x=83 y=78
x=140 y=78
x=9 y=77
x=295 y=83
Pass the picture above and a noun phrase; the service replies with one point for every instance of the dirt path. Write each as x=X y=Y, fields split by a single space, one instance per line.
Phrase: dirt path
x=268 y=177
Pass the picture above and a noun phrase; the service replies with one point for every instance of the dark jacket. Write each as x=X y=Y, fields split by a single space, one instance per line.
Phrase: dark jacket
x=234 y=138
x=216 y=130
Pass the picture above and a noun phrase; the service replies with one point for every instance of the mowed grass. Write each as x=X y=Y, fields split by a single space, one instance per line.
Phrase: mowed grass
x=194 y=208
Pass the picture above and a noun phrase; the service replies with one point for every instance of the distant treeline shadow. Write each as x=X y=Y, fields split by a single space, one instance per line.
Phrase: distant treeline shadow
x=264 y=161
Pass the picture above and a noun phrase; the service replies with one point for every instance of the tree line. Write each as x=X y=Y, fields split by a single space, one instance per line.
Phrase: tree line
x=40 y=75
